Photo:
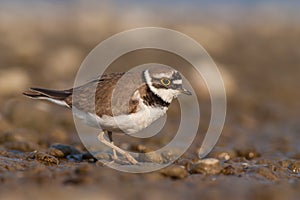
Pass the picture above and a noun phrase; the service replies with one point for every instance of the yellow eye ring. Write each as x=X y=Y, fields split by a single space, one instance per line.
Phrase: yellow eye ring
x=165 y=81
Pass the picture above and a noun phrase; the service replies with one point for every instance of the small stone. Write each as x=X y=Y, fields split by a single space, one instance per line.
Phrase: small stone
x=207 y=166
x=247 y=153
x=294 y=167
x=224 y=156
x=62 y=150
x=150 y=157
x=44 y=157
x=175 y=171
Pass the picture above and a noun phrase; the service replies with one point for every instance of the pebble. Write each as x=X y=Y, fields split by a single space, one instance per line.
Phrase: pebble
x=44 y=157
x=223 y=155
x=294 y=167
x=247 y=153
x=175 y=172
x=150 y=157
x=62 y=150
x=207 y=166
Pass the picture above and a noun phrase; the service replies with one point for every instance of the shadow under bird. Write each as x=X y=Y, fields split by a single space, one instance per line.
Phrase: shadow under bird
x=122 y=102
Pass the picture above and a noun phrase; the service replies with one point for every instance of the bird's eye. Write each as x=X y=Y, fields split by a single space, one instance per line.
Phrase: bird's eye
x=165 y=81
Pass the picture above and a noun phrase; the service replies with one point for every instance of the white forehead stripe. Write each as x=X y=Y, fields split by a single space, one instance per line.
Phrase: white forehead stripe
x=178 y=82
x=147 y=76
x=162 y=75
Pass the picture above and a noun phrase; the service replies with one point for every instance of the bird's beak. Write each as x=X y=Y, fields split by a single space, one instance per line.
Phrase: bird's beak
x=185 y=91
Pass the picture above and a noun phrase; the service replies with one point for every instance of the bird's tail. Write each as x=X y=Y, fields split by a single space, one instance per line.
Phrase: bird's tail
x=60 y=97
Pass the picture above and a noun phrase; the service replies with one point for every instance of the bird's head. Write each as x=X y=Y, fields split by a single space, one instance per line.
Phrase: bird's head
x=165 y=82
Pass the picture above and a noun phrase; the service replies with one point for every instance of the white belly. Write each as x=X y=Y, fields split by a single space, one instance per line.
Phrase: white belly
x=129 y=124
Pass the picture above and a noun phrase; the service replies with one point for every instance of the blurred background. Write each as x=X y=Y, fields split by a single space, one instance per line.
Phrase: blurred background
x=255 y=44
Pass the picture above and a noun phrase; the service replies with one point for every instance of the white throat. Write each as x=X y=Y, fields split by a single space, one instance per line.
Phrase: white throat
x=165 y=94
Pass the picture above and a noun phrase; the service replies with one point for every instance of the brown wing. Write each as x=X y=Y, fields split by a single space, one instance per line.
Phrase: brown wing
x=101 y=92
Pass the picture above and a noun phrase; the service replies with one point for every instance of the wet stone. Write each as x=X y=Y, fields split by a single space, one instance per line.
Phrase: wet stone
x=207 y=166
x=62 y=150
x=294 y=167
x=150 y=157
x=175 y=172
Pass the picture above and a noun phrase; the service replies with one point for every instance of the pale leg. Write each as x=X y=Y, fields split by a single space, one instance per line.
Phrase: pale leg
x=117 y=149
x=115 y=156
